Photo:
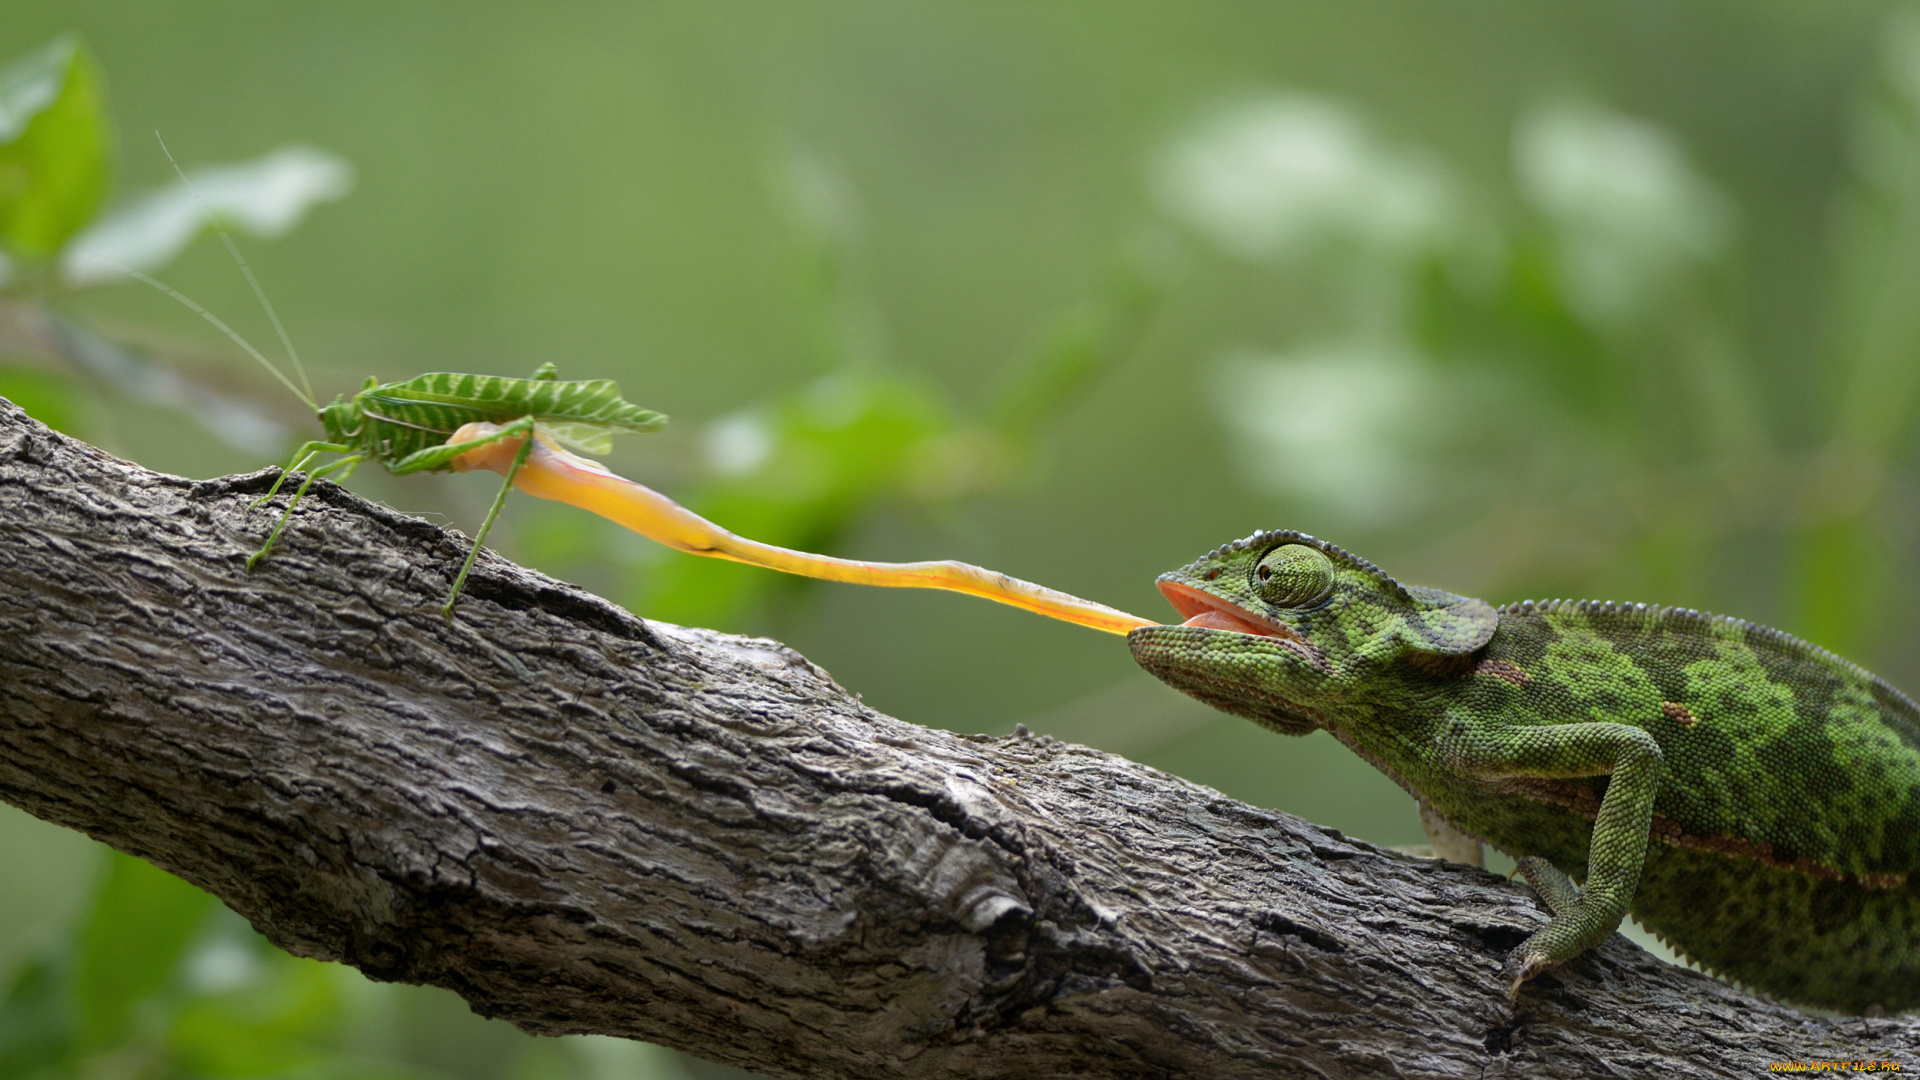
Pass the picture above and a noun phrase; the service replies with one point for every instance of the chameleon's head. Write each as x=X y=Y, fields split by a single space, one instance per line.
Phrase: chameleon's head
x=1280 y=626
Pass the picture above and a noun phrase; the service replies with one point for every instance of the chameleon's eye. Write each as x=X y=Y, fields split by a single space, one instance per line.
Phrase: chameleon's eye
x=1293 y=576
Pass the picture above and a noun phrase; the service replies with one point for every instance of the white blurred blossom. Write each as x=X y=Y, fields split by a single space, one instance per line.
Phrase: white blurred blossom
x=822 y=196
x=1290 y=176
x=222 y=965
x=1345 y=424
x=1885 y=126
x=1901 y=46
x=1628 y=210
x=737 y=444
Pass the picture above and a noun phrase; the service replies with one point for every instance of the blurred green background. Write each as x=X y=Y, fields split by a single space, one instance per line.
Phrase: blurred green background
x=1616 y=299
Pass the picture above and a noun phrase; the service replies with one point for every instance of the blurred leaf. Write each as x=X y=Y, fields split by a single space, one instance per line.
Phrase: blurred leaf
x=1347 y=424
x=548 y=1059
x=266 y=197
x=357 y=1068
x=53 y=147
x=167 y=992
x=801 y=470
x=1843 y=561
x=131 y=944
x=1083 y=345
x=1841 y=570
x=602 y=1057
x=796 y=473
x=36 y=1019
x=552 y=539
x=47 y=398
x=276 y=1018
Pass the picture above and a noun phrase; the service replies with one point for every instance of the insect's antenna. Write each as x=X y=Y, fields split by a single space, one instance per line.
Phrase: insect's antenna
x=259 y=293
x=225 y=329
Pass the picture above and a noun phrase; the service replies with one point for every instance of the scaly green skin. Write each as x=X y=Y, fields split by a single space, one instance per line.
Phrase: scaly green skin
x=1780 y=783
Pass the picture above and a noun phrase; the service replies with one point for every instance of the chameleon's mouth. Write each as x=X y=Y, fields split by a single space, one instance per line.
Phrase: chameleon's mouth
x=1213 y=613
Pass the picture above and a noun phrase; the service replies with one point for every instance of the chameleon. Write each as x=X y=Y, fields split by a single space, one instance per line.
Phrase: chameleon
x=1750 y=798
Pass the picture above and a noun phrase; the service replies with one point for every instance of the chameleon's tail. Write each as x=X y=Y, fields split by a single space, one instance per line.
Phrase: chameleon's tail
x=551 y=472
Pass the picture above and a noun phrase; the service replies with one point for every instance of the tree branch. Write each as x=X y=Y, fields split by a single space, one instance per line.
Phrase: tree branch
x=583 y=822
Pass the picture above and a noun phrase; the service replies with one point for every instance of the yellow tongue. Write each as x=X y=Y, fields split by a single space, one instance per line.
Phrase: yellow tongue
x=550 y=472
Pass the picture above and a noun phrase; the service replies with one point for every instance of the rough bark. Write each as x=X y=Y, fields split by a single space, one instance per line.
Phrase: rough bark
x=585 y=822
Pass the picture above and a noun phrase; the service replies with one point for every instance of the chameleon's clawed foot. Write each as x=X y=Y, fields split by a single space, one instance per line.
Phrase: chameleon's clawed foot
x=1522 y=964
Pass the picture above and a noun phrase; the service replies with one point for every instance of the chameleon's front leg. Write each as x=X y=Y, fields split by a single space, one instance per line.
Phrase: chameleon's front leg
x=1585 y=916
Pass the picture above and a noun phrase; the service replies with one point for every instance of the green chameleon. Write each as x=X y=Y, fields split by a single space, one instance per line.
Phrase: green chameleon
x=1781 y=783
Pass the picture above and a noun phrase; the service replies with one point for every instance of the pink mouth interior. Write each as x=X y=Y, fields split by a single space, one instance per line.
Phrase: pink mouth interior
x=1213 y=613
x=1220 y=620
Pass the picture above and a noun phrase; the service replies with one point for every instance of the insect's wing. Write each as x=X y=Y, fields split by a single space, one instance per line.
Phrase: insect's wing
x=576 y=435
x=593 y=404
x=583 y=414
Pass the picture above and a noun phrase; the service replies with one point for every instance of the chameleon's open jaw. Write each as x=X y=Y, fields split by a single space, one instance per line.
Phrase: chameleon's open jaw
x=1213 y=613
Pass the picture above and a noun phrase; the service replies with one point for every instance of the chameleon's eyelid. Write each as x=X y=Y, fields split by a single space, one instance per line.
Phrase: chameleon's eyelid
x=1292 y=576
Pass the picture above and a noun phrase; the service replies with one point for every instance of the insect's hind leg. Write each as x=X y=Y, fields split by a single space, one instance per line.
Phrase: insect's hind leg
x=307 y=452
x=441 y=457
x=347 y=463
x=519 y=459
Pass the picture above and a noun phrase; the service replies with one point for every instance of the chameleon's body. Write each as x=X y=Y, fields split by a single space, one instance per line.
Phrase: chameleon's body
x=1751 y=798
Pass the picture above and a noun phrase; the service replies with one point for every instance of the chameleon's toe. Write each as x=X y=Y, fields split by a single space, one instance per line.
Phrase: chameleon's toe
x=1555 y=887
x=1522 y=964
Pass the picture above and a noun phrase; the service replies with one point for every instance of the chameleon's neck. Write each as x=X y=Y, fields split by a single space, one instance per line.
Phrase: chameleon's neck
x=1395 y=722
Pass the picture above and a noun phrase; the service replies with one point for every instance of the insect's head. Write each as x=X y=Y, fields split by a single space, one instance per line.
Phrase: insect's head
x=342 y=417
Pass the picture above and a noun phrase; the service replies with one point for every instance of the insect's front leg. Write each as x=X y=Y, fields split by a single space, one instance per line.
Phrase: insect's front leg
x=1585 y=916
x=307 y=452
x=348 y=463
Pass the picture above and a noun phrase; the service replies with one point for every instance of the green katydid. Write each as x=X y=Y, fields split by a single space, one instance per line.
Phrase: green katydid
x=408 y=427
x=521 y=428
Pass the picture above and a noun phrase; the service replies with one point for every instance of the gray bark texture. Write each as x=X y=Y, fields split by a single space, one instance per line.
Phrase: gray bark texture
x=582 y=821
